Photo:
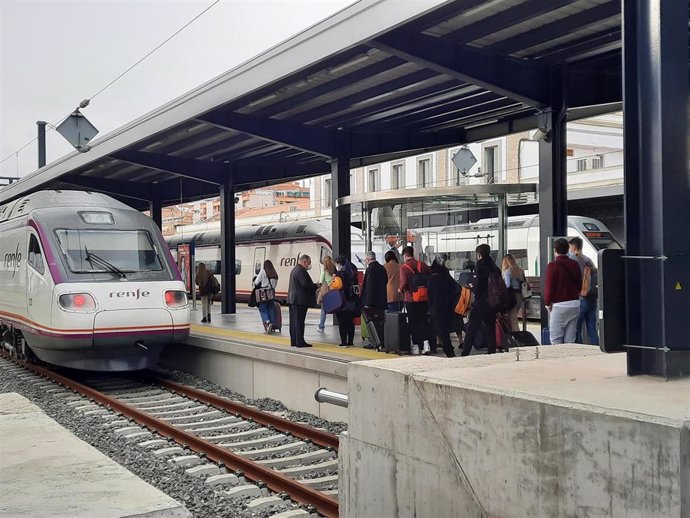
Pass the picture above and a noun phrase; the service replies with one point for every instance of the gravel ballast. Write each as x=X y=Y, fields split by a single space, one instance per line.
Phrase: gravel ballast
x=200 y=499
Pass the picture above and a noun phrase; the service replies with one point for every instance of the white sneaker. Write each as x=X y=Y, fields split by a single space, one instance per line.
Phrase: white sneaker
x=427 y=348
x=414 y=350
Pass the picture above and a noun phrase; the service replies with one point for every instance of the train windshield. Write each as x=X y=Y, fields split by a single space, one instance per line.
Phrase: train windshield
x=125 y=250
x=601 y=240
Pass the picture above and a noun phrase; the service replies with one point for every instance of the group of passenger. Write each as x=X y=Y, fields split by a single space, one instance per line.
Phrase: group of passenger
x=429 y=295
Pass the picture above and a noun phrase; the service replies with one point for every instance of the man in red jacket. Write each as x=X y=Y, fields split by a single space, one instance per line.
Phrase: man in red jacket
x=416 y=311
x=562 y=294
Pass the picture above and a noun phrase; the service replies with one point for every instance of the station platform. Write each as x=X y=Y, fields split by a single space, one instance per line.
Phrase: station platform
x=234 y=352
x=73 y=480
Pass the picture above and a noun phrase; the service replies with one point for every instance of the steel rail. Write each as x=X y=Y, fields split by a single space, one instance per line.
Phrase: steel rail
x=324 y=504
x=320 y=437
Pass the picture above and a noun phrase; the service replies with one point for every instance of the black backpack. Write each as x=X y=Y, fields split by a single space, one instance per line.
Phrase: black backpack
x=497 y=293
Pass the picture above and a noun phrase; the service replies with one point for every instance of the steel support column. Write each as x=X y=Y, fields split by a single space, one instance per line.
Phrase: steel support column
x=227 y=243
x=657 y=187
x=553 y=190
x=156 y=209
x=341 y=216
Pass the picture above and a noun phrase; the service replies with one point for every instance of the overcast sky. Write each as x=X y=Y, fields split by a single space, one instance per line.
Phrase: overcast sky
x=54 y=53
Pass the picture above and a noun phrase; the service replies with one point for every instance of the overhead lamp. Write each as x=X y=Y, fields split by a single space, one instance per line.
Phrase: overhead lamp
x=543 y=131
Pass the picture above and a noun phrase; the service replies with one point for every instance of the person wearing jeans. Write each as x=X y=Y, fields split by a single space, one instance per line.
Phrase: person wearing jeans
x=588 y=302
x=562 y=294
x=267 y=279
x=326 y=277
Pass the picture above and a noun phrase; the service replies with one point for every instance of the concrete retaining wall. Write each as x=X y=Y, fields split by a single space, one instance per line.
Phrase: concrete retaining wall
x=259 y=372
x=567 y=435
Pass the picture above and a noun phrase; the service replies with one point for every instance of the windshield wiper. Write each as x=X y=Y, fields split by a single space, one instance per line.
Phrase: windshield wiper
x=103 y=264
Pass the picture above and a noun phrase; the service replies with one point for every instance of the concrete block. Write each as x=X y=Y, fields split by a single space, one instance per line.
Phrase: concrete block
x=321 y=482
x=567 y=435
x=203 y=470
x=191 y=418
x=128 y=430
x=255 y=443
x=264 y=503
x=153 y=443
x=293 y=446
x=247 y=434
x=138 y=436
x=224 y=479
x=311 y=469
x=248 y=490
x=211 y=423
x=293 y=513
x=168 y=452
x=186 y=460
x=98 y=411
x=304 y=458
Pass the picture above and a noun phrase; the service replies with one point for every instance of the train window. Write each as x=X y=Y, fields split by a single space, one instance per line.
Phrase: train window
x=97 y=218
x=238 y=267
x=35 y=255
x=126 y=250
x=259 y=258
x=322 y=255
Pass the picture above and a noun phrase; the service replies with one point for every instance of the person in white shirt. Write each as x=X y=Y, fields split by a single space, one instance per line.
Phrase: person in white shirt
x=266 y=281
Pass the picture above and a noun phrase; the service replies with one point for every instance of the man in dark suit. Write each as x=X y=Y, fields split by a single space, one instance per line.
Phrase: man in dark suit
x=374 y=294
x=301 y=295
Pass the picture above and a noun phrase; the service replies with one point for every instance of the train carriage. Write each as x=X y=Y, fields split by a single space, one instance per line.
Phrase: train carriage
x=87 y=282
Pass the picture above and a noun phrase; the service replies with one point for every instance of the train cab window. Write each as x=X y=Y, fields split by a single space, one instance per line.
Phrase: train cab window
x=35 y=255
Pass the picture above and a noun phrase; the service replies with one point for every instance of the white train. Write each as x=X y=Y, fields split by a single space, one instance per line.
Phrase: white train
x=459 y=242
x=282 y=243
x=87 y=282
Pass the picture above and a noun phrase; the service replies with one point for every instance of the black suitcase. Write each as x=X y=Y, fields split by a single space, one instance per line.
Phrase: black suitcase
x=525 y=338
x=396 y=334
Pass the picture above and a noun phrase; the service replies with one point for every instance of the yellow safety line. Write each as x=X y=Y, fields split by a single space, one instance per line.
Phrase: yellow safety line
x=285 y=342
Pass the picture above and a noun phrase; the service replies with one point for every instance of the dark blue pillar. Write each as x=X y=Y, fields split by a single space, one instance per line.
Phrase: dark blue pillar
x=657 y=187
x=341 y=216
x=155 y=208
x=227 y=243
x=553 y=189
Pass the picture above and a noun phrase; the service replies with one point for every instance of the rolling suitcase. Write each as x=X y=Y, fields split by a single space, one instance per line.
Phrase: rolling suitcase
x=525 y=338
x=278 y=325
x=396 y=334
x=373 y=323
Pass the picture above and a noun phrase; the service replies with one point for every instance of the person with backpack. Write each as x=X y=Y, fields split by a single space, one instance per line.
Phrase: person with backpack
x=414 y=277
x=562 y=294
x=588 y=293
x=203 y=280
x=343 y=280
x=490 y=297
x=265 y=286
x=443 y=295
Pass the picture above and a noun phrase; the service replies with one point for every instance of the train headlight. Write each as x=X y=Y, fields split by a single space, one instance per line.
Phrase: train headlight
x=77 y=302
x=176 y=298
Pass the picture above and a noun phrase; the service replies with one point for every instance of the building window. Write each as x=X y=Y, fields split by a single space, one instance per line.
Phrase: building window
x=598 y=162
x=327 y=192
x=424 y=178
x=374 y=180
x=397 y=179
x=582 y=164
x=490 y=160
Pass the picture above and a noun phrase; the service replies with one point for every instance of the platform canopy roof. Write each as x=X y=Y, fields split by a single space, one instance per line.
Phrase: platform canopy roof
x=379 y=80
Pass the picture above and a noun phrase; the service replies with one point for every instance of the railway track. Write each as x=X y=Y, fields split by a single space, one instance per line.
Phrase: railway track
x=286 y=457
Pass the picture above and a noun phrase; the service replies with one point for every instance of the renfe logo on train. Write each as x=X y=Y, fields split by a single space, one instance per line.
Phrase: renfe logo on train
x=289 y=261
x=13 y=260
x=136 y=295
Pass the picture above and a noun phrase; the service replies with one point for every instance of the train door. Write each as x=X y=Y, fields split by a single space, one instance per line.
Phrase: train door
x=38 y=286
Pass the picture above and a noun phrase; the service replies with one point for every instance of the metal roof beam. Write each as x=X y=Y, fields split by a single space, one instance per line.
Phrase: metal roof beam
x=380 y=142
x=178 y=166
x=317 y=141
x=524 y=82
x=507 y=18
x=116 y=187
x=592 y=87
x=556 y=29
